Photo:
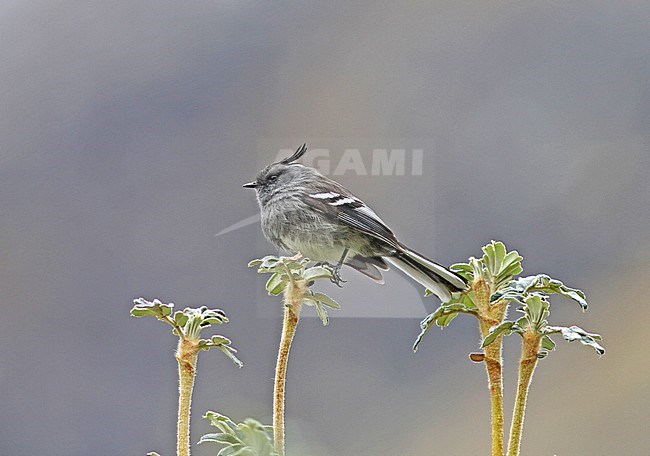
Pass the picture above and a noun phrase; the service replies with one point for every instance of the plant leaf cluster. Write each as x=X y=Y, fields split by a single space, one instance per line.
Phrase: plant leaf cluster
x=536 y=309
x=496 y=265
x=518 y=289
x=290 y=270
x=188 y=323
x=249 y=438
x=498 y=268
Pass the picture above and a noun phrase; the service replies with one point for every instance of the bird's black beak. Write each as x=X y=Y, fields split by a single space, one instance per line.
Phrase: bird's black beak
x=250 y=185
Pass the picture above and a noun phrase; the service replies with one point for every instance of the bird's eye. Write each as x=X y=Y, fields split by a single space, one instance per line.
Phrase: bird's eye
x=273 y=177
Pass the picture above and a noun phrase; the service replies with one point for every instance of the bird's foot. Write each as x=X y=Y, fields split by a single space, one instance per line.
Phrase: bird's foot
x=336 y=278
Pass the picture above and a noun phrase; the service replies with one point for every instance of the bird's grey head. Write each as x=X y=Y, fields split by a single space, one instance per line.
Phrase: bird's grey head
x=279 y=176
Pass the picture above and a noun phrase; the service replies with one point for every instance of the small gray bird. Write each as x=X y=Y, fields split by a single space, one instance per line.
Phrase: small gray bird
x=304 y=211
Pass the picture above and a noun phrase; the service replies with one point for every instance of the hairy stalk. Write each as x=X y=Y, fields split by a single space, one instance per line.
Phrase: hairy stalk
x=527 y=364
x=493 y=365
x=293 y=297
x=186 y=355
x=490 y=315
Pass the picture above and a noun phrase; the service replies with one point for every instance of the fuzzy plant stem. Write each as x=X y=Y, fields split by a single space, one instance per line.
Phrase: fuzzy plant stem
x=491 y=314
x=186 y=355
x=527 y=364
x=493 y=364
x=293 y=298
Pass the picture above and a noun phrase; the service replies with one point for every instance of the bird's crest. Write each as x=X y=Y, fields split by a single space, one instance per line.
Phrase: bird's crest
x=296 y=155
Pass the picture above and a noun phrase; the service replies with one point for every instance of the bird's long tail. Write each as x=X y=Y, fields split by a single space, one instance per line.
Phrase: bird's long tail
x=440 y=280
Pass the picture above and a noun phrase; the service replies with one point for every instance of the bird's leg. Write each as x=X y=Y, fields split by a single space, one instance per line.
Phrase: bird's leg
x=336 y=271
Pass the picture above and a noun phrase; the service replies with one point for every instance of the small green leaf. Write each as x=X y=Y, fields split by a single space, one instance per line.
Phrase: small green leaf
x=230 y=353
x=458 y=307
x=217 y=418
x=511 y=265
x=136 y=312
x=503 y=329
x=507 y=294
x=443 y=311
x=326 y=300
x=573 y=333
x=220 y=437
x=219 y=340
x=180 y=319
x=445 y=319
x=463 y=298
x=547 y=343
x=576 y=295
x=499 y=265
x=249 y=438
x=322 y=313
x=223 y=344
x=292 y=263
x=536 y=310
x=492 y=260
x=311 y=301
x=317 y=272
x=156 y=308
x=304 y=262
x=278 y=268
x=271 y=264
x=467 y=299
x=522 y=322
x=425 y=325
x=464 y=270
x=276 y=284
x=270 y=261
x=518 y=289
x=489 y=257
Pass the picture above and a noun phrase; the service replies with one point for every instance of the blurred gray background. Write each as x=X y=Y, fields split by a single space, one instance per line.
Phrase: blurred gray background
x=128 y=128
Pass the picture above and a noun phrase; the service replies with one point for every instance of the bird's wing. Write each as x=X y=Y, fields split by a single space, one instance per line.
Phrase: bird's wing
x=368 y=266
x=336 y=202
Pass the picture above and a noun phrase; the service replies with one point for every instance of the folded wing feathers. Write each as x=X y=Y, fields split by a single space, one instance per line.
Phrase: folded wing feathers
x=454 y=280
